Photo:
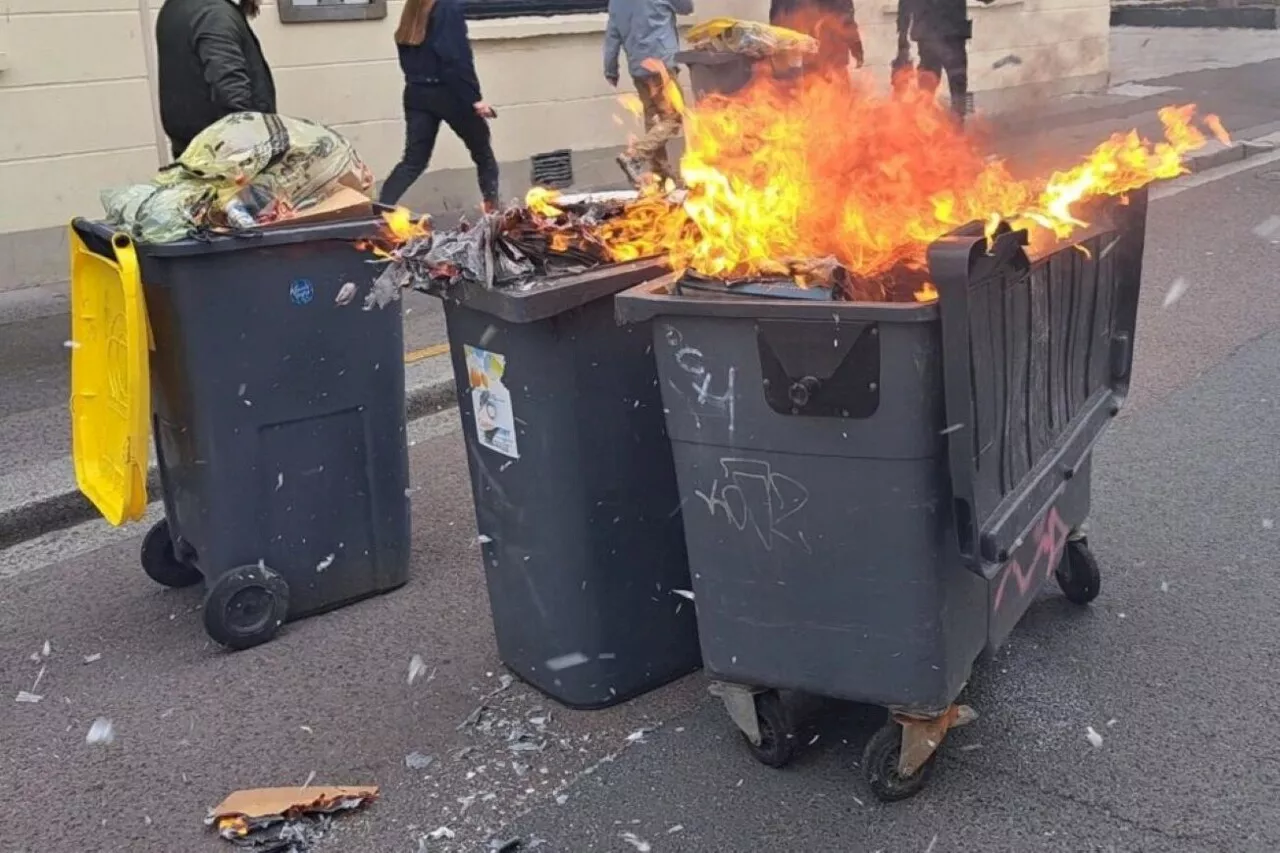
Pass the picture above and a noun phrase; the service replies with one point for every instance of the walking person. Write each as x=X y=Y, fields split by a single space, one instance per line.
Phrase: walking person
x=645 y=30
x=441 y=86
x=941 y=30
x=210 y=65
x=832 y=24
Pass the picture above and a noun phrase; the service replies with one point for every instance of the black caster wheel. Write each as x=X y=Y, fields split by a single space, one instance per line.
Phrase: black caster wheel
x=880 y=767
x=246 y=607
x=1078 y=574
x=160 y=559
x=777 y=737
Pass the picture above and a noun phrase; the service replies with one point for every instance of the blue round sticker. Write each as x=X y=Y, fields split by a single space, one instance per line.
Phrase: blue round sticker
x=301 y=292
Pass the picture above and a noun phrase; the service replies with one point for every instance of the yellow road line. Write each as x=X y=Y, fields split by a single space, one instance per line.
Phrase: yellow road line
x=425 y=352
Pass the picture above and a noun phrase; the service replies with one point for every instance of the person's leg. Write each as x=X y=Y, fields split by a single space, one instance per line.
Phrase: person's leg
x=663 y=122
x=474 y=133
x=929 y=67
x=420 y=130
x=956 y=61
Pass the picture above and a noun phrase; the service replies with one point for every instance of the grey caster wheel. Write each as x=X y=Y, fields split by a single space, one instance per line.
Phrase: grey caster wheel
x=246 y=607
x=160 y=559
x=1078 y=574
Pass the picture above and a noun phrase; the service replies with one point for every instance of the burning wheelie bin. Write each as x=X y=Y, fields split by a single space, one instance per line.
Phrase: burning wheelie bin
x=875 y=492
x=277 y=407
x=571 y=471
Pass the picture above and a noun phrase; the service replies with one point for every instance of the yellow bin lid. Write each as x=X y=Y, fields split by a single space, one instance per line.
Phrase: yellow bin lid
x=110 y=380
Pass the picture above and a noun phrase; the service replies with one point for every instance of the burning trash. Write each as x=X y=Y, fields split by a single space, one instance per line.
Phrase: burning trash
x=548 y=237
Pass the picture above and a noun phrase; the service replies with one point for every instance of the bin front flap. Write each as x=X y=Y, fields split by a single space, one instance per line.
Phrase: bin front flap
x=110 y=384
x=1037 y=358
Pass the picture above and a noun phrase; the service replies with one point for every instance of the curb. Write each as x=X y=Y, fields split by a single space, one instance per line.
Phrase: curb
x=1207 y=17
x=67 y=507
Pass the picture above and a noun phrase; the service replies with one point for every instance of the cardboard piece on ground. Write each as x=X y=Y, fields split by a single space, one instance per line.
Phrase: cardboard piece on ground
x=346 y=203
x=269 y=802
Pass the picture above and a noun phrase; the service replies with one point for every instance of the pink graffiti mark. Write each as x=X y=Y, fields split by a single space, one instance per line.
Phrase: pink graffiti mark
x=1049 y=535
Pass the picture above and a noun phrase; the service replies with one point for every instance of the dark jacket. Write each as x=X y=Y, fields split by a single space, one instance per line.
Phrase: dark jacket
x=934 y=19
x=831 y=22
x=445 y=57
x=210 y=65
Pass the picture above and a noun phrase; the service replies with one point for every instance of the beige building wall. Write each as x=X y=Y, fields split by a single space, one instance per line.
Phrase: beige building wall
x=77 y=110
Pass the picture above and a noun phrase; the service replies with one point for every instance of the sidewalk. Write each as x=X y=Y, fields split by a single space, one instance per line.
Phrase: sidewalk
x=37 y=489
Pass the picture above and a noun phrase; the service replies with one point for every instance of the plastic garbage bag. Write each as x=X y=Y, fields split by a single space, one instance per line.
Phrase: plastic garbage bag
x=245 y=170
x=748 y=38
x=155 y=214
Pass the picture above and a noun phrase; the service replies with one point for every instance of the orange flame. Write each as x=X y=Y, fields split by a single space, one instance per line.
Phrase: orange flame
x=398 y=228
x=785 y=172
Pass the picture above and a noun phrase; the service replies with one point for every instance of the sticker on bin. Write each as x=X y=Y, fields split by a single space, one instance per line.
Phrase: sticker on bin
x=491 y=401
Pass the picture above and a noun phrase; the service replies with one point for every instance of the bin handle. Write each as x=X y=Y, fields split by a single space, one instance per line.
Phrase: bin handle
x=100 y=238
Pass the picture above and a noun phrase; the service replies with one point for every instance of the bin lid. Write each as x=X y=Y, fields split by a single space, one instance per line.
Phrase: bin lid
x=110 y=382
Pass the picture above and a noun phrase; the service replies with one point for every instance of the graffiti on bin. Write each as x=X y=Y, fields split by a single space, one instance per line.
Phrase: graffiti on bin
x=752 y=495
x=707 y=397
x=1048 y=538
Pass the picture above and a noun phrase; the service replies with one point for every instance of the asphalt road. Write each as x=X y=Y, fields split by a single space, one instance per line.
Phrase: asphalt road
x=1179 y=652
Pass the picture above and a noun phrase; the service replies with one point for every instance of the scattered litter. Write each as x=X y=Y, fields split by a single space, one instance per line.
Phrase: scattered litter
x=307 y=729
x=509 y=846
x=1164 y=586
x=561 y=799
x=279 y=482
x=101 y=733
x=636 y=842
x=417 y=761
x=932 y=844
x=1093 y=736
x=242 y=389
x=1268 y=228
x=1111 y=722
x=951 y=429
x=971 y=747
x=325 y=563
x=417 y=666
x=283 y=819
x=346 y=294
x=1011 y=59
x=859 y=802
x=482 y=539
x=93 y=658
x=1268 y=524
x=1176 y=291
x=459 y=754
x=1124 y=615
x=504 y=682
x=382 y=294
x=472 y=718
x=311 y=777
x=1106 y=250
x=46 y=650
x=679 y=827
x=72 y=344
x=815 y=740
x=39 y=678
x=566 y=661
x=683 y=593
x=442 y=834
x=638 y=735
x=28 y=698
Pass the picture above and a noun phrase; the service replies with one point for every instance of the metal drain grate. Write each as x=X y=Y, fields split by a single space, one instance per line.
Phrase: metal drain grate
x=553 y=169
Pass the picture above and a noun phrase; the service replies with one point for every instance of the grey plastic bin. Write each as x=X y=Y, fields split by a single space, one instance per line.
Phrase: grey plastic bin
x=279 y=424
x=873 y=493
x=575 y=491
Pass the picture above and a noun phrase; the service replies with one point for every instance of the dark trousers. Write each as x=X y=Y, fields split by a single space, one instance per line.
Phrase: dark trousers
x=425 y=107
x=949 y=54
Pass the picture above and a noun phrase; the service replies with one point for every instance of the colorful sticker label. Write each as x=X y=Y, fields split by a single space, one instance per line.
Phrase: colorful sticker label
x=491 y=401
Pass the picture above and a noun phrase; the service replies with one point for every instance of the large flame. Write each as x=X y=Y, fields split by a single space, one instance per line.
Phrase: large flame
x=784 y=173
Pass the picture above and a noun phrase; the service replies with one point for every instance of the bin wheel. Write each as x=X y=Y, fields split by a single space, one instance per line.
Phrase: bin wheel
x=160 y=559
x=1078 y=573
x=777 y=737
x=880 y=766
x=246 y=607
